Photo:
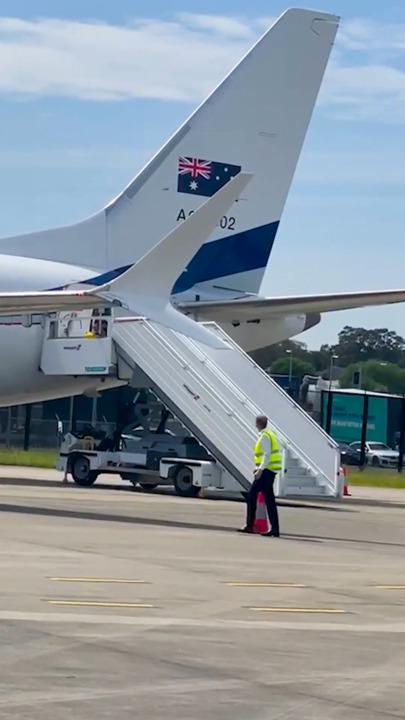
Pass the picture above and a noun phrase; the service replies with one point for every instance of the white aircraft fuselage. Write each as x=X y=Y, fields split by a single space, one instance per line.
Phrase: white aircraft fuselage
x=21 y=380
x=21 y=337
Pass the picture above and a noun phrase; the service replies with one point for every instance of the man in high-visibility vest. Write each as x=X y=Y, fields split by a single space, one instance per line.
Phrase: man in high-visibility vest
x=267 y=460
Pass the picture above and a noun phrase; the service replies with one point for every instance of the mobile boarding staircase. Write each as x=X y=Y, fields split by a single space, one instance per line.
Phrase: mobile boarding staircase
x=215 y=393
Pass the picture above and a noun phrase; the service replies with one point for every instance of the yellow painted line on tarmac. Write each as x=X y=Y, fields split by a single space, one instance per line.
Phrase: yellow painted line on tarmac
x=266 y=584
x=106 y=581
x=389 y=587
x=97 y=603
x=311 y=611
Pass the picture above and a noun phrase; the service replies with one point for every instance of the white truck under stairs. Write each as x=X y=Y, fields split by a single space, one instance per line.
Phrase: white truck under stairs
x=216 y=394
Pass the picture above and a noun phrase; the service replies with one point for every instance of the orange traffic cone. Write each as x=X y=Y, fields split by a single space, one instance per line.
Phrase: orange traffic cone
x=343 y=472
x=262 y=524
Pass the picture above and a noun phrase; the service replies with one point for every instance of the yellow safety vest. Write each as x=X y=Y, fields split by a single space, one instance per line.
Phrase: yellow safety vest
x=275 y=461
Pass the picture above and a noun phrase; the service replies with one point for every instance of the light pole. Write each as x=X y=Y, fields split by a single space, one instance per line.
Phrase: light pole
x=290 y=368
x=332 y=359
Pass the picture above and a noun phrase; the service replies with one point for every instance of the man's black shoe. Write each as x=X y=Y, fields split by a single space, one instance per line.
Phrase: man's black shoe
x=270 y=534
x=245 y=530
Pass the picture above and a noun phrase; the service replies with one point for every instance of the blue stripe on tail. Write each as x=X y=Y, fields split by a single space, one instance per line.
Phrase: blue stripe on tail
x=247 y=250
x=231 y=255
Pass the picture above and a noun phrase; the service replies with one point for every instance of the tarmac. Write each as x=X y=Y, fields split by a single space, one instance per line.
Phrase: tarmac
x=120 y=604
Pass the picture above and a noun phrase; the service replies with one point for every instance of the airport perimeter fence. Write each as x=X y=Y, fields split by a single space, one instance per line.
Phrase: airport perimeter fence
x=42 y=434
x=354 y=418
x=40 y=426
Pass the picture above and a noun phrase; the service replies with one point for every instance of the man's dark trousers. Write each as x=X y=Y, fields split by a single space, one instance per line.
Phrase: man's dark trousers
x=265 y=485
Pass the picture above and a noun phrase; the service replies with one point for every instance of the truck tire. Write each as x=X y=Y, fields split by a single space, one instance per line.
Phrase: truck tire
x=130 y=477
x=183 y=482
x=80 y=470
x=148 y=487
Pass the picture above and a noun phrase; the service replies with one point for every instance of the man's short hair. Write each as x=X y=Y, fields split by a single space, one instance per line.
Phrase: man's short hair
x=261 y=420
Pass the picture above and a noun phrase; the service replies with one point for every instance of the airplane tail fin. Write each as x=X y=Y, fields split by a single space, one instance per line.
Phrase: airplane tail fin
x=145 y=287
x=256 y=119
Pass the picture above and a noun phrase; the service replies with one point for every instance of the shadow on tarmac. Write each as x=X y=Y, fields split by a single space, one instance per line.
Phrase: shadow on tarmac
x=107 y=517
x=165 y=523
x=162 y=490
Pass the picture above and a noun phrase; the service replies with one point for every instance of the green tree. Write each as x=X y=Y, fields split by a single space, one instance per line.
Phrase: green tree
x=299 y=367
x=376 y=377
x=359 y=344
x=321 y=358
x=266 y=356
x=354 y=345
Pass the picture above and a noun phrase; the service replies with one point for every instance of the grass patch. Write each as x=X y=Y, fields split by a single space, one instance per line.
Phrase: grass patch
x=376 y=478
x=31 y=458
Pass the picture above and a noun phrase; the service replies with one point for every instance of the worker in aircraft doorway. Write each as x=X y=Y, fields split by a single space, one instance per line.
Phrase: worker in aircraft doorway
x=267 y=460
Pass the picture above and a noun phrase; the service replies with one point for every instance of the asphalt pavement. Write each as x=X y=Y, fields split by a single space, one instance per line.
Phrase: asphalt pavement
x=120 y=604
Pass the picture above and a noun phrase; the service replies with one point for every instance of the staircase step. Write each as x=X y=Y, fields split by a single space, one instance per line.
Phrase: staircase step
x=295 y=479
x=300 y=491
x=298 y=471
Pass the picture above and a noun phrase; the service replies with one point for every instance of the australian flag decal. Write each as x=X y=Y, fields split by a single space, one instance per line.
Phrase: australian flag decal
x=203 y=177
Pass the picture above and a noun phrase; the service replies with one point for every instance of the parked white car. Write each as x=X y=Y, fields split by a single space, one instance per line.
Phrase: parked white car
x=378 y=454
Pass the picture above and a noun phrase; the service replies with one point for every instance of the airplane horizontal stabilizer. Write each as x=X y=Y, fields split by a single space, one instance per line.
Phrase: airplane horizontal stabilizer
x=145 y=288
x=261 y=308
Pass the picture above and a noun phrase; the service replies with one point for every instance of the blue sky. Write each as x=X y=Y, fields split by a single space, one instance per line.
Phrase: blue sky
x=89 y=89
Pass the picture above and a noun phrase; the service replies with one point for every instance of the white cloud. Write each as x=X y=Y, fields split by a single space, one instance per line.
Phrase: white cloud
x=359 y=34
x=95 y=61
x=366 y=77
x=369 y=170
x=97 y=157
x=183 y=59
x=365 y=92
x=227 y=26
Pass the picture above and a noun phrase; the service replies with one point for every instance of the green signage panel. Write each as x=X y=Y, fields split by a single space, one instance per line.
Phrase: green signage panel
x=347 y=417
